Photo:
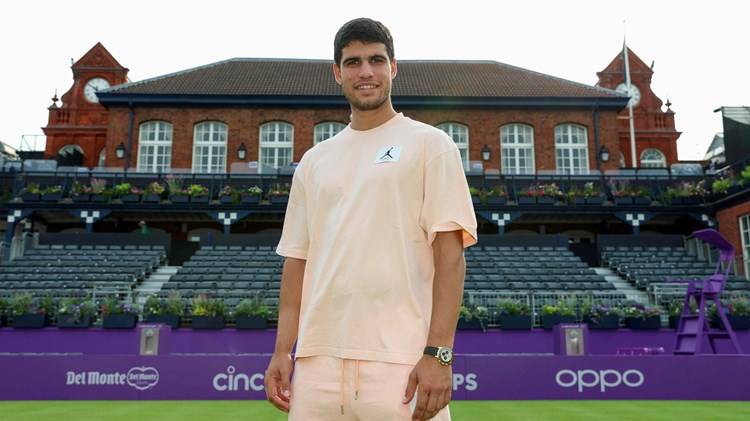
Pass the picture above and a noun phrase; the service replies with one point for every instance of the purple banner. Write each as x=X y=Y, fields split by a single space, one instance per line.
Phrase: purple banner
x=475 y=377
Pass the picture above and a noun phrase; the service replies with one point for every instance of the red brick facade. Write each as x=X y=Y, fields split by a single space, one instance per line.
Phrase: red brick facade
x=729 y=226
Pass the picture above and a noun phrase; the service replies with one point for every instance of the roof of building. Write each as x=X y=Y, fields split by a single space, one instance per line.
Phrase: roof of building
x=253 y=77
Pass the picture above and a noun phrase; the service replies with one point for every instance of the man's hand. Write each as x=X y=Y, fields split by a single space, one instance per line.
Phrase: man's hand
x=278 y=387
x=433 y=383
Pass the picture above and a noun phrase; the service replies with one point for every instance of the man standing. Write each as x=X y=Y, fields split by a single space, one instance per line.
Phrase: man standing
x=377 y=220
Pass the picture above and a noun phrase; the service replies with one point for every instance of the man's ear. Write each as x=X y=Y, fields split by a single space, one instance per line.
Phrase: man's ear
x=393 y=68
x=337 y=73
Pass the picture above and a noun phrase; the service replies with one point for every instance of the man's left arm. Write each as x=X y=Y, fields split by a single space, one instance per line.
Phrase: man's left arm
x=431 y=380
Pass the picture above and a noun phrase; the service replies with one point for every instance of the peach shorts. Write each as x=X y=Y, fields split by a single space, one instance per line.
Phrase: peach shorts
x=328 y=388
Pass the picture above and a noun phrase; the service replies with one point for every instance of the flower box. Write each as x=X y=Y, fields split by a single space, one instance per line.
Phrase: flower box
x=51 y=197
x=579 y=200
x=474 y=323
x=737 y=322
x=31 y=197
x=171 y=320
x=279 y=200
x=179 y=198
x=131 y=198
x=3 y=320
x=594 y=200
x=98 y=198
x=623 y=200
x=545 y=200
x=208 y=322
x=646 y=323
x=526 y=200
x=251 y=322
x=30 y=321
x=69 y=321
x=674 y=322
x=516 y=322
x=497 y=200
x=226 y=199
x=642 y=200
x=691 y=200
x=250 y=200
x=152 y=198
x=199 y=199
x=606 y=322
x=120 y=321
x=476 y=200
x=81 y=198
x=548 y=322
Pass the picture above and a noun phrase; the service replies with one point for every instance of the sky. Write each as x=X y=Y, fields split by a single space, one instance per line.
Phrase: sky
x=699 y=49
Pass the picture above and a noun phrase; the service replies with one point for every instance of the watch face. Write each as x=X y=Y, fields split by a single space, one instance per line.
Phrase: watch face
x=92 y=87
x=445 y=355
x=634 y=94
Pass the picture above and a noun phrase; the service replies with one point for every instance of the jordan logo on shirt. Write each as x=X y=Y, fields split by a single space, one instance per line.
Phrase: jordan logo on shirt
x=388 y=154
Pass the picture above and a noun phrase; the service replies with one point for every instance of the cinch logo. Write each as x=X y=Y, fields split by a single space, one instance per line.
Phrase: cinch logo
x=602 y=378
x=238 y=382
x=470 y=379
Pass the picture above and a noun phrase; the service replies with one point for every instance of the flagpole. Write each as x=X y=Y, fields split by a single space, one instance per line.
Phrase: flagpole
x=630 y=103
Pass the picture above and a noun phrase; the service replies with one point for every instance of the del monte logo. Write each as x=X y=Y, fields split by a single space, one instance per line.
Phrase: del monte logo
x=143 y=378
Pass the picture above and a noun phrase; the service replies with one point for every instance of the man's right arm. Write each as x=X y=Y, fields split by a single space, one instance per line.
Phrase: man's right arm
x=278 y=374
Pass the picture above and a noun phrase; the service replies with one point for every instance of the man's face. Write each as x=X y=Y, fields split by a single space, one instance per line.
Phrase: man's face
x=365 y=73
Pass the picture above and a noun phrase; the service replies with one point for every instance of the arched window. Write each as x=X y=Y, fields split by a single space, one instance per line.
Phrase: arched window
x=102 y=158
x=276 y=144
x=460 y=134
x=571 y=149
x=517 y=149
x=622 y=161
x=70 y=155
x=210 y=147
x=155 y=147
x=653 y=158
x=327 y=130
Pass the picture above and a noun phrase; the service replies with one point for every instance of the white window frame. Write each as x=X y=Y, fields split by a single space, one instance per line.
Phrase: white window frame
x=571 y=149
x=210 y=147
x=326 y=130
x=276 y=144
x=517 y=149
x=460 y=135
x=744 y=223
x=155 y=146
x=653 y=158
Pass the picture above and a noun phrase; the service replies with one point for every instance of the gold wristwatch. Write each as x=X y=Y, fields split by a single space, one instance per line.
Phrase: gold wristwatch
x=443 y=354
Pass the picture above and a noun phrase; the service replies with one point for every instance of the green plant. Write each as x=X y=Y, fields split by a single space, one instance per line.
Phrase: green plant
x=252 y=307
x=77 y=307
x=4 y=304
x=596 y=311
x=511 y=307
x=472 y=311
x=172 y=305
x=52 y=189
x=721 y=185
x=155 y=188
x=24 y=303
x=206 y=305
x=98 y=185
x=639 y=311
x=279 y=189
x=197 y=190
x=745 y=176
x=174 y=183
x=32 y=188
x=563 y=307
x=252 y=191
x=123 y=189
x=542 y=190
x=113 y=306
x=675 y=308
x=738 y=306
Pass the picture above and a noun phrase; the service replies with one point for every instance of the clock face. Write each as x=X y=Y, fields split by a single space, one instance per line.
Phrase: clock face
x=92 y=87
x=634 y=94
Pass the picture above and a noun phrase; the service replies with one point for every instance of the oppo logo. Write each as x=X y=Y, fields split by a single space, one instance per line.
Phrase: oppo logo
x=602 y=378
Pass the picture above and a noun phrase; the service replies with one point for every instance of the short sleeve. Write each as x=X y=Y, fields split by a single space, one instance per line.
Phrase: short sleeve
x=295 y=239
x=447 y=204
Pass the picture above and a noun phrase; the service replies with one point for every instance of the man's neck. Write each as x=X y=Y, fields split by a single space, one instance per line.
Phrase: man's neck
x=370 y=119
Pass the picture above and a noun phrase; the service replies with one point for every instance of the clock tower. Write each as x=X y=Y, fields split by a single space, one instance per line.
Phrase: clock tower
x=77 y=129
x=655 y=134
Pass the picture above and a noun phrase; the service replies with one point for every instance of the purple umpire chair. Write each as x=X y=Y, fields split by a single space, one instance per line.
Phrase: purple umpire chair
x=693 y=328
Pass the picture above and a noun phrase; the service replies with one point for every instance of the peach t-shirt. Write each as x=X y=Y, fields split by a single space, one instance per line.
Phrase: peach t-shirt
x=363 y=211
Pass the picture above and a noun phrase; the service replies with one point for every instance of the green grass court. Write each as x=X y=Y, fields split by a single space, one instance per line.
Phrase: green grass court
x=461 y=410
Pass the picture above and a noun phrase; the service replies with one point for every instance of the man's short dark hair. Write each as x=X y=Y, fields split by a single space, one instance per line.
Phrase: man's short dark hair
x=364 y=30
